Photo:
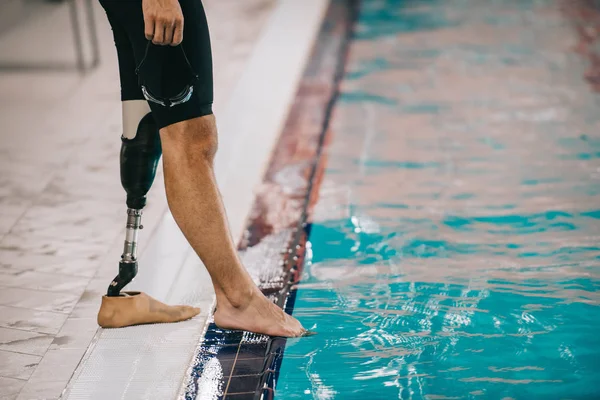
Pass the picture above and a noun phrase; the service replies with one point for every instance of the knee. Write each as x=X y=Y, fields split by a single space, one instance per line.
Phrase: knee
x=193 y=140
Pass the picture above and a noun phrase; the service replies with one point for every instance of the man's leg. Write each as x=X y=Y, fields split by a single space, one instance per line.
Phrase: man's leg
x=124 y=309
x=189 y=148
x=139 y=156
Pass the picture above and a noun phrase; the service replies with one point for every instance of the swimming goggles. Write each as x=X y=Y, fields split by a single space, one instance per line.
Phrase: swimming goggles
x=179 y=98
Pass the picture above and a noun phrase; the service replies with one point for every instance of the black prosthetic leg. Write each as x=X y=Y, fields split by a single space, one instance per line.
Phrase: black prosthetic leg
x=139 y=159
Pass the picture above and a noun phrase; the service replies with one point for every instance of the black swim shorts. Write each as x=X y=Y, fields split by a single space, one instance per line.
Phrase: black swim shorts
x=165 y=71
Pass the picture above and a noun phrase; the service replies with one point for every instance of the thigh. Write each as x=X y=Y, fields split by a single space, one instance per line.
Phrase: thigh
x=196 y=43
x=130 y=90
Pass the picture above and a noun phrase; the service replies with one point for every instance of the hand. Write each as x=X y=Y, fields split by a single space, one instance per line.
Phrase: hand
x=163 y=21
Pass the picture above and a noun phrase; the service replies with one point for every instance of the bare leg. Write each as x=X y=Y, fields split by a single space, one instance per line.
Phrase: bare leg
x=189 y=148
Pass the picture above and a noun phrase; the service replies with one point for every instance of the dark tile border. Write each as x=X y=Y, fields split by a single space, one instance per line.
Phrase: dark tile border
x=240 y=365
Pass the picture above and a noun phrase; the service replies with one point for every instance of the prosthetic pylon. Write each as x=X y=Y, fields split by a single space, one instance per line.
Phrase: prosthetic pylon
x=139 y=159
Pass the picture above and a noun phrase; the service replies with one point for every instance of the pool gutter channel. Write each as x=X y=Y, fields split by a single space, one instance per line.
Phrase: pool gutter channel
x=300 y=147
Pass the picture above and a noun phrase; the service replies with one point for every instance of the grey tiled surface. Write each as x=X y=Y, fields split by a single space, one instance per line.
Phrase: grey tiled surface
x=24 y=342
x=17 y=365
x=41 y=300
x=31 y=320
x=10 y=388
x=61 y=203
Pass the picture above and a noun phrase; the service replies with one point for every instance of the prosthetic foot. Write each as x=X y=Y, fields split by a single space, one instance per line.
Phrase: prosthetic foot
x=140 y=153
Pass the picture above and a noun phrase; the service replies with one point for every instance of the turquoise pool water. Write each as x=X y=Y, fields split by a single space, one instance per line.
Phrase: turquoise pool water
x=455 y=247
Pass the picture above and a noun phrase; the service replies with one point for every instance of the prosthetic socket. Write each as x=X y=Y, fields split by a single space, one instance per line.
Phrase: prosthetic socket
x=139 y=159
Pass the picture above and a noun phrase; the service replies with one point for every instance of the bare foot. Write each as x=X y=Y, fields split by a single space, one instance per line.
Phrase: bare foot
x=258 y=315
x=135 y=308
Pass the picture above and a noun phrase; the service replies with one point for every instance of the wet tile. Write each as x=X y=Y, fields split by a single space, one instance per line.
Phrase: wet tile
x=71 y=219
x=252 y=351
x=11 y=209
x=249 y=366
x=226 y=366
x=16 y=247
x=31 y=320
x=227 y=352
x=42 y=390
x=10 y=387
x=8 y=270
x=243 y=384
x=86 y=184
x=39 y=300
x=75 y=266
x=57 y=365
x=109 y=265
x=24 y=342
x=221 y=336
x=21 y=178
x=44 y=281
x=276 y=345
x=17 y=365
x=51 y=255
x=89 y=303
x=240 y=396
x=203 y=363
x=76 y=333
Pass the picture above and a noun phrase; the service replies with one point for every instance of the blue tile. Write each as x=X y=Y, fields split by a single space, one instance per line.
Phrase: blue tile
x=243 y=384
x=211 y=331
x=241 y=396
x=276 y=345
x=216 y=335
x=248 y=350
x=249 y=366
x=227 y=352
x=227 y=366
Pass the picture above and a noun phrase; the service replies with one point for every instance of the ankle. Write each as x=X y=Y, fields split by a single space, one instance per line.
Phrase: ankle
x=236 y=298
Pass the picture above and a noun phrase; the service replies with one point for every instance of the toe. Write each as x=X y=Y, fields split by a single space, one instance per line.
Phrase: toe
x=190 y=312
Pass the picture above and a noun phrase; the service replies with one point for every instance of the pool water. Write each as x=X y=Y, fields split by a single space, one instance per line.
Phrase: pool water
x=454 y=250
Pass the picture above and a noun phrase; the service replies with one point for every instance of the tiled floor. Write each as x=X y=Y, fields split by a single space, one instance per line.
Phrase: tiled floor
x=61 y=204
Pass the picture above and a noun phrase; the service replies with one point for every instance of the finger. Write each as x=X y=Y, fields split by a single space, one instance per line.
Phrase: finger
x=178 y=34
x=169 y=33
x=149 y=27
x=159 y=32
